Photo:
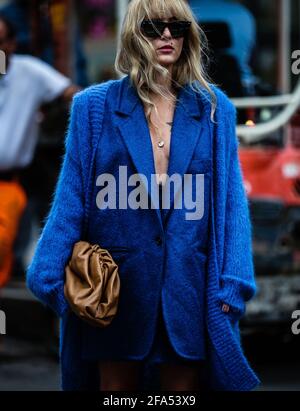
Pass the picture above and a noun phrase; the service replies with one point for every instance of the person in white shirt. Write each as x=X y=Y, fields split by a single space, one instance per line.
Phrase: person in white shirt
x=27 y=84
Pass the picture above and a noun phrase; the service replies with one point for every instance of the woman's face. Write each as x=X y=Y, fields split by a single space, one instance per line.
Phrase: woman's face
x=168 y=49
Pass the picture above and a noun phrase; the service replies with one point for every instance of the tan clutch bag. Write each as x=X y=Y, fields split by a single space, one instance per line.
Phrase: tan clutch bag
x=92 y=284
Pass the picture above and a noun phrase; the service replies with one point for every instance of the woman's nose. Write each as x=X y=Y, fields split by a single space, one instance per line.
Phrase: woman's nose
x=167 y=33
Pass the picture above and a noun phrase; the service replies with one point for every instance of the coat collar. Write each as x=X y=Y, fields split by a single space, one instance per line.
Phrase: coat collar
x=186 y=132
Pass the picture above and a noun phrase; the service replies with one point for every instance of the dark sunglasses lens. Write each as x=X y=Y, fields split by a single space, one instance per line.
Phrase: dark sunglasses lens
x=179 y=29
x=152 y=29
x=156 y=28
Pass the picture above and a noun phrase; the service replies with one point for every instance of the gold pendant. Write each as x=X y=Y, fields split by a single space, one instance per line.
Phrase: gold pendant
x=161 y=143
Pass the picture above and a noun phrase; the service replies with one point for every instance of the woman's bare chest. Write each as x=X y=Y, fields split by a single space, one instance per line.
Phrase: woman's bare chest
x=161 y=142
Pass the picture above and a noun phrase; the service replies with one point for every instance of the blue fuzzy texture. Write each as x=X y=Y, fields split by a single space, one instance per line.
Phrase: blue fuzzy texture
x=230 y=270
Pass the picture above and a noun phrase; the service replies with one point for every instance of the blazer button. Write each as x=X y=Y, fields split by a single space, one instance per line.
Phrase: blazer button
x=158 y=240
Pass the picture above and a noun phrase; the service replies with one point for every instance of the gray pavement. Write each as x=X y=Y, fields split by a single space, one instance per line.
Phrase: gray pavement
x=27 y=366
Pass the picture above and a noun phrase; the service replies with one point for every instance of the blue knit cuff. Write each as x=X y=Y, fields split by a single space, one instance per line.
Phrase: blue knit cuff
x=232 y=292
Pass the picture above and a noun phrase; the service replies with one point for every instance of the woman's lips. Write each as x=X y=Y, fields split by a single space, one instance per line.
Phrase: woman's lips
x=166 y=48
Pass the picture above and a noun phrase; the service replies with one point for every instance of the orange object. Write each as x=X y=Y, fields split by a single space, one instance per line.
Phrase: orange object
x=13 y=200
x=273 y=172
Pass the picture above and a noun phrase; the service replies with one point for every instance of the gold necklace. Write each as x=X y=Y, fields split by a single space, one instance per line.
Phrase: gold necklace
x=161 y=142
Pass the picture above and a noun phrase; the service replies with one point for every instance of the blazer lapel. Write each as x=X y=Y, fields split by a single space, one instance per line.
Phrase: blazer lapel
x=133 y=127
x=186 y=131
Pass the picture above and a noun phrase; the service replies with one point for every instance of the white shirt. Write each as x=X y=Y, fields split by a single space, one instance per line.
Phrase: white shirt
x=28 y=83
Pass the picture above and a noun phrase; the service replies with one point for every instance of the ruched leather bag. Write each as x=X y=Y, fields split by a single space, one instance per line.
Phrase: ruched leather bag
x=92 y=284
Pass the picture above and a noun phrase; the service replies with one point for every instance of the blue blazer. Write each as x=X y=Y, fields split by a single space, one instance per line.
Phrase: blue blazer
x=158 y=255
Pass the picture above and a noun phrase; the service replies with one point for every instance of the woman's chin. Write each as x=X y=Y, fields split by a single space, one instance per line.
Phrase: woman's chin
x=165 y=61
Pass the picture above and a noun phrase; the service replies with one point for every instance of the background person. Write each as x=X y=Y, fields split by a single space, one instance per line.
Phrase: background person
x=242 y=28
x=27 y=84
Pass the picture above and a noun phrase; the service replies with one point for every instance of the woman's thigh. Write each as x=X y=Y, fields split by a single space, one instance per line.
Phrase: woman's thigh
x=119 y=375
x=125 y=375
x=181 y=376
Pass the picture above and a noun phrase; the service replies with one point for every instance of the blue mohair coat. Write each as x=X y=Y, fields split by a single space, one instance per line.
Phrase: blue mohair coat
x=150 y=269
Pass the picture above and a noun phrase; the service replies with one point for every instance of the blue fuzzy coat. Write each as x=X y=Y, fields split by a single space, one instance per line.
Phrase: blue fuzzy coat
x=152 y=269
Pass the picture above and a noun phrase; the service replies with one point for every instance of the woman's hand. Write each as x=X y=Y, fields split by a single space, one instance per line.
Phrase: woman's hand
x=225 y=308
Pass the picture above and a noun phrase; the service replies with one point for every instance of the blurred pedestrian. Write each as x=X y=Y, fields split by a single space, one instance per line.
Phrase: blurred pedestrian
x=242 y=28
x=27 y=83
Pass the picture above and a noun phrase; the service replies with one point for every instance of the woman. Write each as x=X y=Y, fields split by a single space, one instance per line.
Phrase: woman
x=185 y=275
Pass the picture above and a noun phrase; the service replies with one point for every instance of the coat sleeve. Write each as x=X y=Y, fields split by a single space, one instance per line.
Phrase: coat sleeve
x=45 y=274
x=237 y=282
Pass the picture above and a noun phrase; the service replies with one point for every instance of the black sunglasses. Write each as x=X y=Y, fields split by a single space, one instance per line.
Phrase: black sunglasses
x=156 y=28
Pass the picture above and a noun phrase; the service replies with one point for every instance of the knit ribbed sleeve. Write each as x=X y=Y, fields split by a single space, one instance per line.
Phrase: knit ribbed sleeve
x=46 y=273
x=237 y=281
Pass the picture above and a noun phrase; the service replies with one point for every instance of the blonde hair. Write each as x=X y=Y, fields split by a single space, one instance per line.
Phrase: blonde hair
x=136 y=55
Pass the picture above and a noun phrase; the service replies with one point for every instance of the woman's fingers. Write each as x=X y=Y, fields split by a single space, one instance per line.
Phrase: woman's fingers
x=225 y=308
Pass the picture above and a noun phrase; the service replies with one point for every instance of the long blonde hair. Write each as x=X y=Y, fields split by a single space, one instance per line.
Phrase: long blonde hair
x=136 y=55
